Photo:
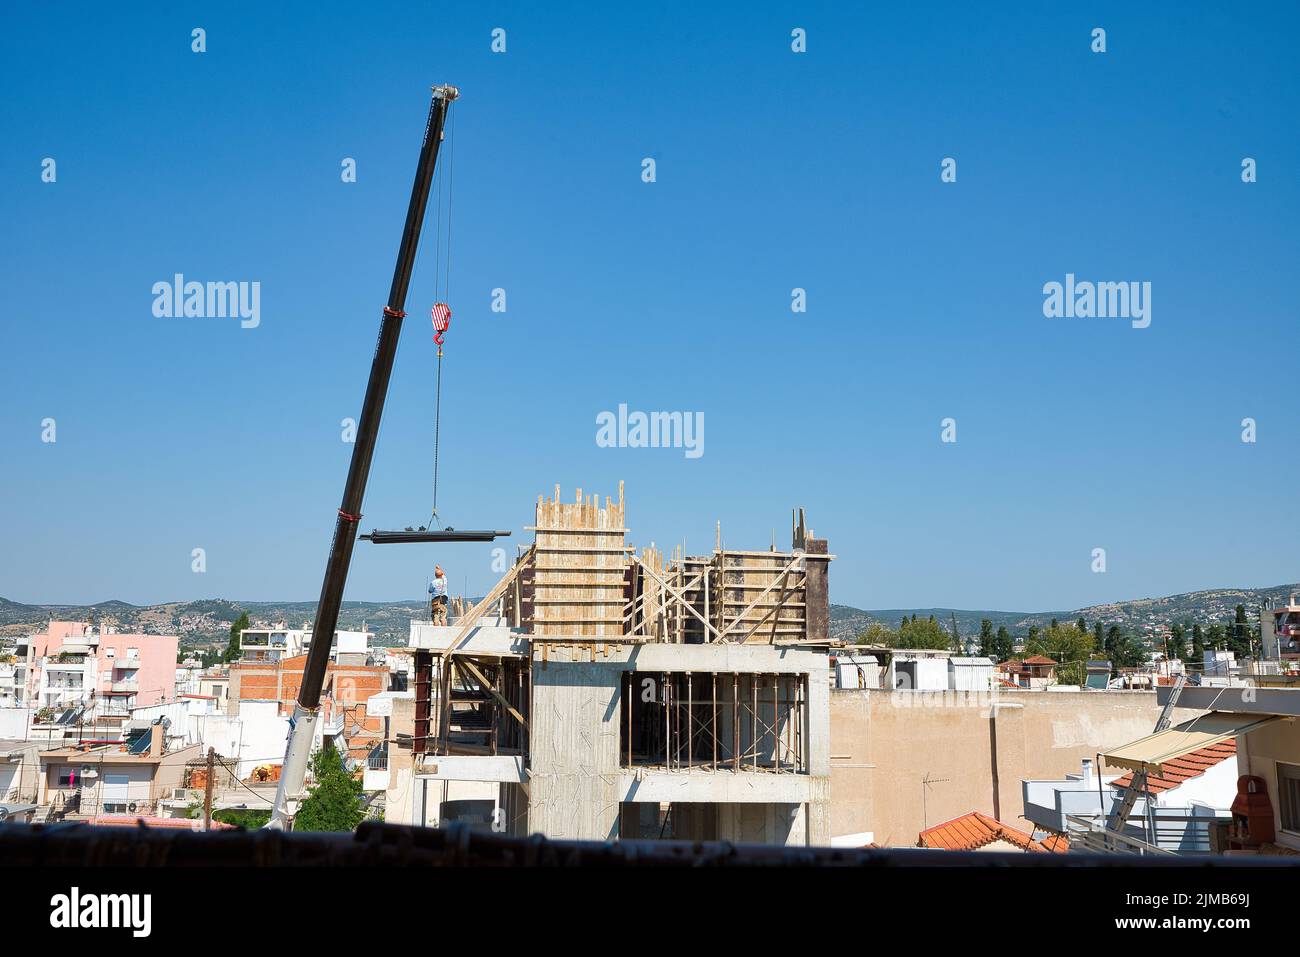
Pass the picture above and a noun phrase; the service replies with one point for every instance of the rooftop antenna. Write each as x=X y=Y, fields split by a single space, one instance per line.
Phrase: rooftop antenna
x=926 y=783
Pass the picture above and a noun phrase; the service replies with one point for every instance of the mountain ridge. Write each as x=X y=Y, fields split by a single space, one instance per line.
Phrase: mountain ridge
x=208 y=620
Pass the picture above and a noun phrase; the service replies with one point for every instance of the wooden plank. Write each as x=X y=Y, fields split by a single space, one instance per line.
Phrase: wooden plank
x=463 y=661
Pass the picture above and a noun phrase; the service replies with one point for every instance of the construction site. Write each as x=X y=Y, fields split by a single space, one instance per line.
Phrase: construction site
x=599 y=691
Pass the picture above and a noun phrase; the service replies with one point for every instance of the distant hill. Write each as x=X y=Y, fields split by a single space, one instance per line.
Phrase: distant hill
x=208 y=620
x=1205 y=607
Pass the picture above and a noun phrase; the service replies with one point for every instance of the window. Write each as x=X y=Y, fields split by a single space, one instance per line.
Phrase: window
x=114 y=808
x=67 y=777
x=1288 y=795
x=110 y=652
x=133 y=652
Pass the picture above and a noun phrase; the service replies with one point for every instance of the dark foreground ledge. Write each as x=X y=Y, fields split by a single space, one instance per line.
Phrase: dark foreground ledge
x=373 y=844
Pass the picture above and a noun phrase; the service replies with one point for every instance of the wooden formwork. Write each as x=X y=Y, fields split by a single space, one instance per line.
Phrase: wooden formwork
x=581 y=579
x=695 y=575
x=759 y=594
x=579 y=568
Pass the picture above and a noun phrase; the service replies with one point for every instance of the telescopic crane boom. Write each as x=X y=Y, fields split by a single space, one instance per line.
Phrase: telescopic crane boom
x=306 y=713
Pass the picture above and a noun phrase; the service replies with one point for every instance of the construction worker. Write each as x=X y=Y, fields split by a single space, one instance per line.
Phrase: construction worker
x=438 y=596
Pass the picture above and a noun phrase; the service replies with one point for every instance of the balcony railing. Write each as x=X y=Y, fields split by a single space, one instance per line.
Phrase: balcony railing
x=1159 y=832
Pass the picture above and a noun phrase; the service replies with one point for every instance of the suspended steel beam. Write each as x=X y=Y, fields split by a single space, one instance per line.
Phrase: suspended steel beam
x=378 y=537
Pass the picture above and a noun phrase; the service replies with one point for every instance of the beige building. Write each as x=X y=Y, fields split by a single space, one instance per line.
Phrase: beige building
x=903 y=761
x=95 y=781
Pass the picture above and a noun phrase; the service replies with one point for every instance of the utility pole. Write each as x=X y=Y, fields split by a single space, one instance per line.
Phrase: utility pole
x=207 y=790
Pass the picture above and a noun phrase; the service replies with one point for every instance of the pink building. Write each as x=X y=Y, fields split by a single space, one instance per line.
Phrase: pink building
x=74 y=663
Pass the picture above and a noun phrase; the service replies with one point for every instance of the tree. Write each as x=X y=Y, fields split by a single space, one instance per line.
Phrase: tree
x=1124 y=650
x=957 y=646
x=1003 y=645
x=1198 y=642
x=1081 y=624
x=877 y=634
x=986 y=638
x=1177 y=643
x=1239 y=636
x=232 y=648
x=334 y=802
x=1098 y=636
x=922 y=633
x=250 y=818
x=1215 y=637
x=1068 y=647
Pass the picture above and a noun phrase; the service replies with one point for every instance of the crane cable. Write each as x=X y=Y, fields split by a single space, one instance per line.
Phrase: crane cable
x=446 y=286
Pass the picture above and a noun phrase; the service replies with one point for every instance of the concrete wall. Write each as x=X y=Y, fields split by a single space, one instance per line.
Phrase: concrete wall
x=573 y=790
x=883 y=744
x=20 y=773
x=15 y=723
x=258 y=735
x=576 y=785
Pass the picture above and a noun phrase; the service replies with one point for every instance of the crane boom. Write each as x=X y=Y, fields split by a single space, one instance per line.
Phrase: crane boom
x=306 y=712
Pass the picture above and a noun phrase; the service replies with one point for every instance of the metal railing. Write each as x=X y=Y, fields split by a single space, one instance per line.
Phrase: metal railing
x=1145 y=833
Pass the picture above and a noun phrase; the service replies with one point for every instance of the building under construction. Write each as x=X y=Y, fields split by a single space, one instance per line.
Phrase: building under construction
x=607 y=693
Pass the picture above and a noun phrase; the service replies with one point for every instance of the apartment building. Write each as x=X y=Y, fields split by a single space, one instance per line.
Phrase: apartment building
x=75 y=664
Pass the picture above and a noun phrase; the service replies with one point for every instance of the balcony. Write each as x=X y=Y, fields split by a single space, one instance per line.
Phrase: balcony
x=69 y=666
x=124 y=687
x=1161 y=830
x=375 y=775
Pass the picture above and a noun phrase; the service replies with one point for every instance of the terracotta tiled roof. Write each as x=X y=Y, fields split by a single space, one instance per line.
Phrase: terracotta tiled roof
x=1191 y=765
x=1039 y=660
x=975 y=830
x=1056 y=843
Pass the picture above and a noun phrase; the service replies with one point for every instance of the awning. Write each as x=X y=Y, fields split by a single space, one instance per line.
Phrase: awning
x=1152 y=752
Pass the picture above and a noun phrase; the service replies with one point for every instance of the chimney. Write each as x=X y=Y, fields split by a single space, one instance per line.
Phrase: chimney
x=1087 y=772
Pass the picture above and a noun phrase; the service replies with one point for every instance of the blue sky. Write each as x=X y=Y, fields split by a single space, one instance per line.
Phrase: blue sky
x=775 y=170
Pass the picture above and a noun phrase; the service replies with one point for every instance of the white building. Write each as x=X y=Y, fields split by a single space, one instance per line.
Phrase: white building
x=8 y=685
x=918 y=670
x=970 y=674
x=276 y=644
x=67 y=680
